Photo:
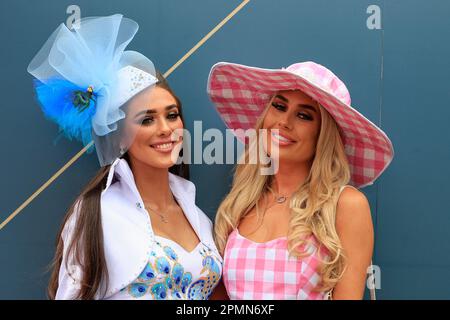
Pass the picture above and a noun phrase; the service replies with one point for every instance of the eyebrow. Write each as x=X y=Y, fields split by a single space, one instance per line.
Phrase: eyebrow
x=151 y=111
x=306 y=106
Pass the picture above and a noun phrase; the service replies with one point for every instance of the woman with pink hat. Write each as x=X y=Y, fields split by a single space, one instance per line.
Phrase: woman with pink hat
x=304 y=232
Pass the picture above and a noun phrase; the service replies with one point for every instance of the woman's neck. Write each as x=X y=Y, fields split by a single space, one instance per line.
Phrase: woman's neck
x=289 y=177
x=153 y=185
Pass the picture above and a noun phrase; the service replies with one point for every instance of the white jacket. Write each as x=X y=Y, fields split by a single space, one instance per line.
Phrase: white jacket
x=127 y=231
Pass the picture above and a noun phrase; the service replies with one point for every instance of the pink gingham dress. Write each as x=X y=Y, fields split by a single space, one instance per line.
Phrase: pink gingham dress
x=265 y=271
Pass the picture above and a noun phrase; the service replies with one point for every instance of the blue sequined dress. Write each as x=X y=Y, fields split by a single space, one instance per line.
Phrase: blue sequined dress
x=174 y=273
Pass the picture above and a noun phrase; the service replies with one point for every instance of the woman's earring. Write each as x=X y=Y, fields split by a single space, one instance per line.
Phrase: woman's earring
x=122 y=150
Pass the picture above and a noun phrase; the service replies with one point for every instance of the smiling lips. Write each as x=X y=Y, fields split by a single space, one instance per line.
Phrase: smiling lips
x=281 y=139
x=168 y=146
x=164 y=147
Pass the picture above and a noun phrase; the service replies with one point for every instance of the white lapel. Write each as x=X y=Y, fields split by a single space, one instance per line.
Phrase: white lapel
x=184 y=192
x=182 y=189
x=128 y=234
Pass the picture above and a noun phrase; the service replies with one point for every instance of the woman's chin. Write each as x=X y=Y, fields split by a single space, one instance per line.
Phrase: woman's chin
x=158 y=160
x=160 y=164
x=287 y=157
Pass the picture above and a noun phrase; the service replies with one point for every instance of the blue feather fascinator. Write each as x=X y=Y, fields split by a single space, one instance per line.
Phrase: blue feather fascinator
x=83 y=77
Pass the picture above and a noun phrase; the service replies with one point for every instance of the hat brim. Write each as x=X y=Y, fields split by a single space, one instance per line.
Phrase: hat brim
x=241 y=93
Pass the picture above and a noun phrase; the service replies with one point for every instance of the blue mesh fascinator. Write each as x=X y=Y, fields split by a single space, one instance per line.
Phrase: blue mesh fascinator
x=84 y=76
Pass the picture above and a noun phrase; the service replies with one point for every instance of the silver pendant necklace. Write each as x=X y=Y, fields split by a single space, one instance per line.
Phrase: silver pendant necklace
x=280 y=198
x=163 y=217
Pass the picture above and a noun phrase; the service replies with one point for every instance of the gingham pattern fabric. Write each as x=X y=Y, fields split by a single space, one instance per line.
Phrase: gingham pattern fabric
x=265 y=271
x=241 y=93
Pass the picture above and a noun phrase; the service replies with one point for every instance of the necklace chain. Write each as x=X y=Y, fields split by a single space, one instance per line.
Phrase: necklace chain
x=162 y=216
x=279 y=198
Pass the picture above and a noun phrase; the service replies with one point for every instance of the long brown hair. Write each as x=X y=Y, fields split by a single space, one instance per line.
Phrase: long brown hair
x=86 y=242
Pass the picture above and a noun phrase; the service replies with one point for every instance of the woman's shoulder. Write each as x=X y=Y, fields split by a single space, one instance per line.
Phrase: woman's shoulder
x=70 y=223
x=353 y=211
x=351 y=197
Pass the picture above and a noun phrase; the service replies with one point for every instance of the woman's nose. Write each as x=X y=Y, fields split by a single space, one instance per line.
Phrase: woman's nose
x=164 y=128
x=284 y=121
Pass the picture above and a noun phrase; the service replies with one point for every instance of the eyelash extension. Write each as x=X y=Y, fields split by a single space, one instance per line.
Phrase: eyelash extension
x=149 y=120
x=173 y=116
x=280 y=107
x=306 y=116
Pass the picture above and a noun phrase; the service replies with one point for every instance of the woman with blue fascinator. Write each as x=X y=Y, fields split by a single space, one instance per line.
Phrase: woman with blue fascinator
x=134 y=232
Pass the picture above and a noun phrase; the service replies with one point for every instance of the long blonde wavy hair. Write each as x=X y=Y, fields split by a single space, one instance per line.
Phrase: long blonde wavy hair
x=313 y=204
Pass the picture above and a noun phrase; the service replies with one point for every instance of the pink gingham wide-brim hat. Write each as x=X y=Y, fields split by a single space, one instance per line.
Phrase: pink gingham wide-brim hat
x=241 y=93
